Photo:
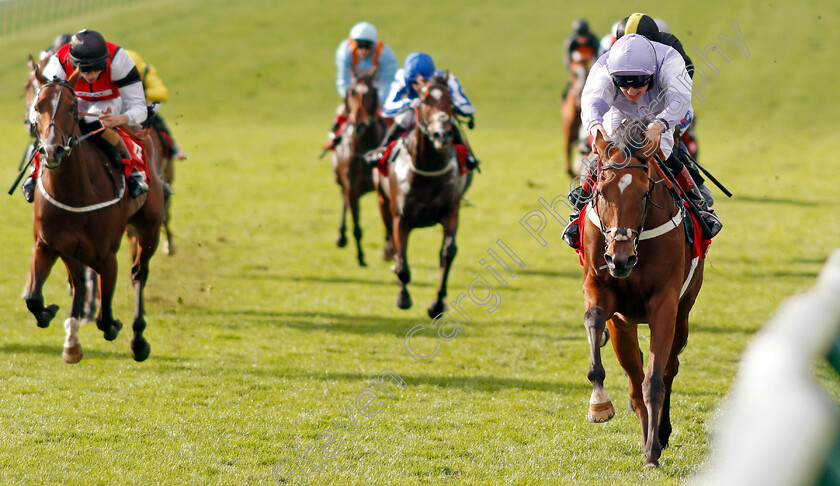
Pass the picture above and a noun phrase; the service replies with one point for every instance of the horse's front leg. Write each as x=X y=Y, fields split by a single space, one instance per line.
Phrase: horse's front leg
x=625 y=341
x=43 y=259
x=72 y=345
x=353 y=202
x=105 y=321
x=662 y=310
x=341 y=239
x=402 y=229
x=600 y=406
x=388 y=222
x=146 y=243
x=447 y=255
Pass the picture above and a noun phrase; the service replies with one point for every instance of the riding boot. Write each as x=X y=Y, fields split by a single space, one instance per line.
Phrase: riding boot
x=695 y=195
x=578 y=196
x=374 y=156
x=136 y=181
x=472 y=162
x=28 y=189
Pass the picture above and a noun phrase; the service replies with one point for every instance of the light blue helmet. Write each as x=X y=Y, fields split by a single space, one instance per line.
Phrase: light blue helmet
x=632 y=54
x=364 y=31
x=418 y=64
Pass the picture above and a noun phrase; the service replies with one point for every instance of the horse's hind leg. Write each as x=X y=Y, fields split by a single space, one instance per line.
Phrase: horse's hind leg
x=447 y=255
x=663 y=312
x=671 y=370
x=600 y=406
x=72 y=345
x=144 y=246
x=388 y=222
x=341 y=239
x=43 y=259
x=625 y=341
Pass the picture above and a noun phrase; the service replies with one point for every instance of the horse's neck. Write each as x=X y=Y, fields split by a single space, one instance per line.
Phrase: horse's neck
x=659 y=198
x=424 y=153
x=80 y=175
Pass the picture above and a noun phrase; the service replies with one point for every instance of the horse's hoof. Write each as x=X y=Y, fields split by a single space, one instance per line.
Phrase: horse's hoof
x=110 y=333
x=436 y=308
x=47 y=315
x=362 y=262
x=600 y=412
x=652 y=463
x=72 y=354
x=140 y=349
x=404 y=300
x=341 y=241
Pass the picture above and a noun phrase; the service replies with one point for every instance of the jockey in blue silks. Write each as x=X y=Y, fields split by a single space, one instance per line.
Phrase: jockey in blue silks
x=639 y=78
x=403 y=98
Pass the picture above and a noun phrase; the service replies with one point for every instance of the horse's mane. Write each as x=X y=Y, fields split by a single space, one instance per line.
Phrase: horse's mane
x=630 y=135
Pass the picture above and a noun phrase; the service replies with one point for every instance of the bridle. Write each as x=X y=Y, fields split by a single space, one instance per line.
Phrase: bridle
x=439 y=117
x=621 y=234
x=67 y=142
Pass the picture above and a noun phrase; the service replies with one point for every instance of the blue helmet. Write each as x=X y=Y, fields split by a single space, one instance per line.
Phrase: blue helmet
x=418 y=64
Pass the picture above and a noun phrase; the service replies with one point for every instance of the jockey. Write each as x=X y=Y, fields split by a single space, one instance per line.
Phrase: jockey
x=361 y=52
x=59 y=41
x=581 y=43
x=156 y=93
x=404 y=96
x=109 y=87
x=608 y=40
x=638 y=78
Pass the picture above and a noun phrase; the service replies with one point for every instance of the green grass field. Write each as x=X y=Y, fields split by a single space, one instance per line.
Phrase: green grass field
x=265 y=336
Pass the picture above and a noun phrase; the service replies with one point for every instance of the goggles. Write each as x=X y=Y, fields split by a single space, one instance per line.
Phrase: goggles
x=632 y=81
x=364 y=44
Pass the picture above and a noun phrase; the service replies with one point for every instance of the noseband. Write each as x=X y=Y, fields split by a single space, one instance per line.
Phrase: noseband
x=67 y=143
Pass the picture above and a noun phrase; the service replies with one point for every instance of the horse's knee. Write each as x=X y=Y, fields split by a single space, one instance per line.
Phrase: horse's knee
x=596 y=374
x=653 y=389
x=595 y=319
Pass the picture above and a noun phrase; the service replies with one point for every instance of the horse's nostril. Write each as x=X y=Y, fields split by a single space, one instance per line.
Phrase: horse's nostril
x=631 y=261
x=608 y=259
x=59 y=151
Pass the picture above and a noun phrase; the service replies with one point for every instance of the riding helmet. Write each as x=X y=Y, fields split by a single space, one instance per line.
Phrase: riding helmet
x=632 y=55
x=418 y=64
x=88 y=51
x=364 y=31
x=580 y=27
x=60 y=40
x=638 y=23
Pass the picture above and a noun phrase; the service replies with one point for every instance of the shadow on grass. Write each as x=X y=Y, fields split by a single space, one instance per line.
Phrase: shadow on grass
x=779 y=200
x=482 y=383
x=388 y=279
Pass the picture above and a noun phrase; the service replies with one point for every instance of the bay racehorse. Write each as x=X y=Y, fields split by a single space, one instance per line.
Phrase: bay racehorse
x=579 y=66
x=424 y=186
x=81 y=211
x=362 y=132
x=638 y=268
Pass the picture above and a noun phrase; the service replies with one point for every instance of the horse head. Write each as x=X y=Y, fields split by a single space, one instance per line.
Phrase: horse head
x=56 y=116
x=361 y=102
x=436 y=112
x=623 y=192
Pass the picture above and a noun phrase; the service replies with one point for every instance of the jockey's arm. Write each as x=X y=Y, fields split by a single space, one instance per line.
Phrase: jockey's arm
x=125 y=75
x=344 y=66
x=597 y=98
x=677 y=88
x=459 y=99
x=54 y=69
x=397 y=98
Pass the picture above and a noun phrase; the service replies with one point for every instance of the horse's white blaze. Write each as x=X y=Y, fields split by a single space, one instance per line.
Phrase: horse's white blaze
x=436 y=93
x=599 y=396
x=362 y=89
x=71 y=328
x=625 y=181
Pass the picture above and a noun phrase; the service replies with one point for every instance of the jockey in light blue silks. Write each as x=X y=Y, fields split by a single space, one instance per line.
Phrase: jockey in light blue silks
x=403 y=97
x=639 y=78
x=361 y=52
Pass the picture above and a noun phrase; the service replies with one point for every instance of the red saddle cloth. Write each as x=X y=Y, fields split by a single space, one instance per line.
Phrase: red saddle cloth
x=699 y=246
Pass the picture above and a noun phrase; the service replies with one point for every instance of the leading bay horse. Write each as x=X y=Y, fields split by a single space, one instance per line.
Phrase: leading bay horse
x=362 y=132
x=581 y=63
x=424 y=186
x=81 y=211
x=638 y=268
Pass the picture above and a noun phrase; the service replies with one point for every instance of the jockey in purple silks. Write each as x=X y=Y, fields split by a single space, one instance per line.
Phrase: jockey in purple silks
x=638 y=78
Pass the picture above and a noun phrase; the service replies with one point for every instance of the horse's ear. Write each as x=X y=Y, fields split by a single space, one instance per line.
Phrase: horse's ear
x=74 y=77
x=37 y=70
x=31 y=63
x=445 y=77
